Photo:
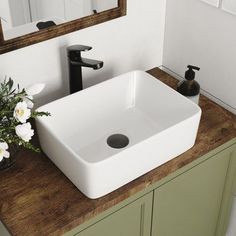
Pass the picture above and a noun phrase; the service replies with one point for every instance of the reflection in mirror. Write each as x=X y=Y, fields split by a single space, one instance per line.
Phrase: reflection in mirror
x=20 y=26
x=21 y=17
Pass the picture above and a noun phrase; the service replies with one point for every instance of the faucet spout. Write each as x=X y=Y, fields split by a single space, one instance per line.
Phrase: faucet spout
x=76 y=62
x=84 y=62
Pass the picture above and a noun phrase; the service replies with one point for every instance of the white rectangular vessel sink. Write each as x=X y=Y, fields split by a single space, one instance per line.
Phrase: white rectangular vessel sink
x=105 y=136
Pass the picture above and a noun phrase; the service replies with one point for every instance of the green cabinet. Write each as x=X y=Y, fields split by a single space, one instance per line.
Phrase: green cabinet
x=190 y=204
x=194 y=201
x=132 y=220
x=3 y=230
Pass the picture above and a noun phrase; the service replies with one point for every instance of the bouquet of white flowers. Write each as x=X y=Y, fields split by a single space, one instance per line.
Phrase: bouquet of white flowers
x=15 y=111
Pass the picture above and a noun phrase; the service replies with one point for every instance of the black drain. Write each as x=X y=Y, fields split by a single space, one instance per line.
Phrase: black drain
x=118 y=141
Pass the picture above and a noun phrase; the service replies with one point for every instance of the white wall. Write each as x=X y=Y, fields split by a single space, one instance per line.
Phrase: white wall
x=41 y=9
x=76 y=9
x=104 y=5
x=5 y=15
x=197 y=33
x=131 y=42
x=20 y=12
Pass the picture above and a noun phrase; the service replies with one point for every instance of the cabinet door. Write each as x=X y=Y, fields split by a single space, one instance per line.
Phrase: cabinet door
x=3 y=231
x=131 y=220
x=189 y=205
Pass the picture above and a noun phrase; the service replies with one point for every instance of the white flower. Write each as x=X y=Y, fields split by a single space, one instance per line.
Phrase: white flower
x=31 y=91
x=21 y=112
x=35 y=89
x=24 y=131
x=3 y=150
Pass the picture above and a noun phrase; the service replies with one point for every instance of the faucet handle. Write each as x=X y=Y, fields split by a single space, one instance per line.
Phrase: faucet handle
x=74 y=51
x=80 y=48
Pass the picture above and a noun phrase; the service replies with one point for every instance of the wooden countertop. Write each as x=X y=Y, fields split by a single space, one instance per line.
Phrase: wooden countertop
x=37 y=199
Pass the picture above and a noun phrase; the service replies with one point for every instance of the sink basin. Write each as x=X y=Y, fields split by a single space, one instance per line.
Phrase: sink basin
x=105 y=136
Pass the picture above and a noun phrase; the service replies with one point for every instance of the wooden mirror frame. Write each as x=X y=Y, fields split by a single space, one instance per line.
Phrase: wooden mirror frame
x=62 y=29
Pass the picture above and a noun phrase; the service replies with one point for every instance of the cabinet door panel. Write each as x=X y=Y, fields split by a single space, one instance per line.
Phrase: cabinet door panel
x=132 y=220
x=189 y=205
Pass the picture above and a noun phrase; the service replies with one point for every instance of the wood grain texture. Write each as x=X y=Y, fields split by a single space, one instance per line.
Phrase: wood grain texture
x=37 y=199
x=58 y=30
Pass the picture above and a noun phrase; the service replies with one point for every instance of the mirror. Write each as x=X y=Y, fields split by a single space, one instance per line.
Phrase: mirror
x=20 y=17
x=25 y=22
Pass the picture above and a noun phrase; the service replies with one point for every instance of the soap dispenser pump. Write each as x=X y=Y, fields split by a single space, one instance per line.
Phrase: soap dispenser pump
x=189 y=87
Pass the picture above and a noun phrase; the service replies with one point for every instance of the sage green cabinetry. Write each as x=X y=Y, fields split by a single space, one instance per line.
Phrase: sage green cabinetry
x=190 y=204
x=131 y=220
x=194 y=201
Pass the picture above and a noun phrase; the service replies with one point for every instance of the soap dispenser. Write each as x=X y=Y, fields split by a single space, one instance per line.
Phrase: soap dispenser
x=189 y=87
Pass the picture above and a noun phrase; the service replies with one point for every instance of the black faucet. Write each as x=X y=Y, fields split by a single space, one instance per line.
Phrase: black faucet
x=76 y=62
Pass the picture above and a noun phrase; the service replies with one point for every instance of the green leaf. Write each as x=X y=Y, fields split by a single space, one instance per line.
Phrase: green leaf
x=9 y=97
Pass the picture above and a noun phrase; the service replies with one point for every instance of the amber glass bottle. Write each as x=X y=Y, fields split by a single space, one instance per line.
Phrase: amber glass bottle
x=189 y=87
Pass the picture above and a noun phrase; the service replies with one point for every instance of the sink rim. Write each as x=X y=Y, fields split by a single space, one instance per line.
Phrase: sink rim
x=95 y=87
